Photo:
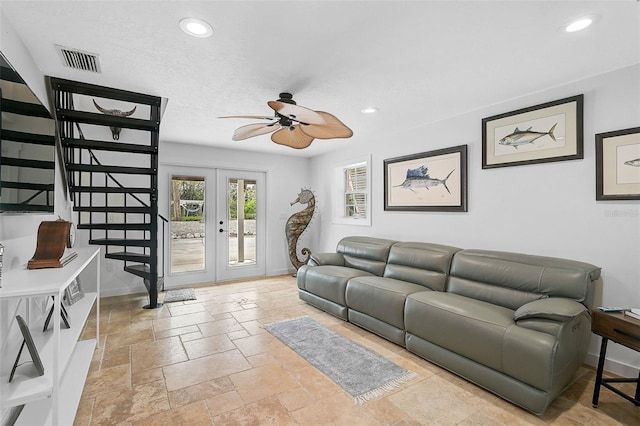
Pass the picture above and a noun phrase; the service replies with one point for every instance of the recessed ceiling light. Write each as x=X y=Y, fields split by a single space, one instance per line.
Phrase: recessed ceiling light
x=579 y=24
x=196 y=27
x=369 y=110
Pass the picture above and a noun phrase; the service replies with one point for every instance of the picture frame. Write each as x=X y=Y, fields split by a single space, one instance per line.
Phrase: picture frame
x=618 y=165
x=428 y=181
x=31 y=346
x=73 y=292
x=548 y=132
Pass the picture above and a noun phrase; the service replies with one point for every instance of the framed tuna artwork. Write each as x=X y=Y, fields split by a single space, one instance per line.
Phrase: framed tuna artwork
x=539 y=134
x=429 y=181
x=618 y=165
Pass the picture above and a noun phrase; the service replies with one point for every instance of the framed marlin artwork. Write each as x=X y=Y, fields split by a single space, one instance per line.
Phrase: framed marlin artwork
x=539 y=134
x=618 y=165
x=429 y=181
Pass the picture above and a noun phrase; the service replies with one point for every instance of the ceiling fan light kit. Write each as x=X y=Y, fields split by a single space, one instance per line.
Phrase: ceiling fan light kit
x=293 y=125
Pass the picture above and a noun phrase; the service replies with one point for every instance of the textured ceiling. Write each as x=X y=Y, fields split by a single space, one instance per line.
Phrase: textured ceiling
x=417 y=61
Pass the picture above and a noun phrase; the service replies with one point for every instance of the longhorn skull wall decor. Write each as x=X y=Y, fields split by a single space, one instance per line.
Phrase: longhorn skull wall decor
x=115 y=131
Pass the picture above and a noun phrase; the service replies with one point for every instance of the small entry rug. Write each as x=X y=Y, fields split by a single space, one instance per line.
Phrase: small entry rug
x=180 y=295
x=358 y=370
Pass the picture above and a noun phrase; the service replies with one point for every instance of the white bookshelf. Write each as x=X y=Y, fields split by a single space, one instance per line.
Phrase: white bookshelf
x=54 y=397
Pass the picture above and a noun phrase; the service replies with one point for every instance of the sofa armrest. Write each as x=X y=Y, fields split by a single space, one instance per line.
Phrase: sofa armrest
x=318 y=259
x=553 y=308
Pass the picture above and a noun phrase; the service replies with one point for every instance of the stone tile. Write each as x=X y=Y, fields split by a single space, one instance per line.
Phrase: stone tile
x=176 y=331
x=157 y=354
x=238 y=334
x=128 y=337
x=254 y=327
x=146 y=376
x=207 y=346
x=257 y=344
x=130 y=405
x=177 y=309
x=335 y=410
x=191 y=336
x=436 y=400
x=217 y=327
x=261 y=359
x=224 y=402
x=200 y=392
x=114 y=379
x=192 y=414
x=261 y=382
x=295 y=398
x=204 y=369
x=249 y=314
x=115 y=357
x=266 y=411
x=182 y=321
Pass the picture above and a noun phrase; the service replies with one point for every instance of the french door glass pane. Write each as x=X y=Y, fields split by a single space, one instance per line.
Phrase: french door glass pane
x=187 y=224
x=241 y=217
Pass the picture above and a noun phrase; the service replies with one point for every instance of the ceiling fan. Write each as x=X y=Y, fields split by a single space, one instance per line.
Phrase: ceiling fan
x=294 y=126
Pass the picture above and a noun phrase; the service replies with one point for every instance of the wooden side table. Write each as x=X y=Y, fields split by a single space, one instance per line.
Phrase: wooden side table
x=620 y=329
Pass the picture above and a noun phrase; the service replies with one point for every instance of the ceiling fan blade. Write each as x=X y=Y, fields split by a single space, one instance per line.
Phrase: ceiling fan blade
x=296 y=112
x=251 y=130
x=271 y=118
x=333 y=129
x=292 y=137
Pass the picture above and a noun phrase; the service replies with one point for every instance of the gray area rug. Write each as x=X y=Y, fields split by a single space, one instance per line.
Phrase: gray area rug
x=358 y=370
x=180 y=295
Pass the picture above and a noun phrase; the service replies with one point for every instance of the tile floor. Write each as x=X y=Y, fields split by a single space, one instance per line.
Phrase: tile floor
x=210 y=361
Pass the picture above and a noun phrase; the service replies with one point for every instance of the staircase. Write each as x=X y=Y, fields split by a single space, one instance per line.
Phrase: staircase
x=113 y=184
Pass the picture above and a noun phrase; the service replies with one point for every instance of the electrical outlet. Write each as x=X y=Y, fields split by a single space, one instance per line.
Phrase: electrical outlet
x=109 y=266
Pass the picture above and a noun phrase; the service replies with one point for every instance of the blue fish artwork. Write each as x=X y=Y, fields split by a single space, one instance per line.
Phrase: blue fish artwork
x=419 y=178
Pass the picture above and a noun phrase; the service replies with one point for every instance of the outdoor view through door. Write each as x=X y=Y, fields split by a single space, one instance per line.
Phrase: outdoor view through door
x=241 y=218
x=187 y=224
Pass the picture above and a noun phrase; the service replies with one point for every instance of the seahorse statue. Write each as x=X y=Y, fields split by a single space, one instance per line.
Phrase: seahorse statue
x=297 y=223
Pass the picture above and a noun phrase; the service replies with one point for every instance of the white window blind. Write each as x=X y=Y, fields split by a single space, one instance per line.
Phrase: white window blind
x=355 y=194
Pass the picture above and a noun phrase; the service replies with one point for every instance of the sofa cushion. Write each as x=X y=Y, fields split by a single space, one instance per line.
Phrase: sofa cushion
x=329 y=281
x=484 y=333
x=420 y=263
x=481 y=274
x=555 y=308
x=468 y=327
x=365 y=253
x=381 y=298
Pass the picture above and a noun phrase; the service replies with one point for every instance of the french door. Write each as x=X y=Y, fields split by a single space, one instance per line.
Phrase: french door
x=240 y=223
x=216 y=225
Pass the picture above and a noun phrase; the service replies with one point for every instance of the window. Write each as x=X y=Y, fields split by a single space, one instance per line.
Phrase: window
x=355 y=192
x=351 y=193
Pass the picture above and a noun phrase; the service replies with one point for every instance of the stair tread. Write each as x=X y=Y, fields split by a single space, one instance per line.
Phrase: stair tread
x=111 y=169
x=127 y=255
x=105 y=120
x=111 y=189
x=118 y=226
x=119 y=209
x=109 y=146
x=135 y=242
x=139 y=270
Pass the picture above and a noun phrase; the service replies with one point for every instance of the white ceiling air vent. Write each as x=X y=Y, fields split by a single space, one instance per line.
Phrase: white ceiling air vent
x=77 y=59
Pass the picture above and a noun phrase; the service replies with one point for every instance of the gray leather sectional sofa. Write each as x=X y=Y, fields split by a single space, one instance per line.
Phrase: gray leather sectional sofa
x=516 y=324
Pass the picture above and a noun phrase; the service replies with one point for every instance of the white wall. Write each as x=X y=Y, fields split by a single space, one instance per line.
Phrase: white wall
x=546 y=209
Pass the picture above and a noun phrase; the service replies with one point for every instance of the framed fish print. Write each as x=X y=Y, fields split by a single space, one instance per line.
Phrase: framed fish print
x=429 y=181
x=618 y=165
x=539 y=134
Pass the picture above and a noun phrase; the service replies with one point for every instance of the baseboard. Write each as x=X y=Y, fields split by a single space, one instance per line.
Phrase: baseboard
x=612 y=366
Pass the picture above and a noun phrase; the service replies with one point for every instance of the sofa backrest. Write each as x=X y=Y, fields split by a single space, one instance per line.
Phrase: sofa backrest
x=420 y=263
x=365 y=253
x=513 y=279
